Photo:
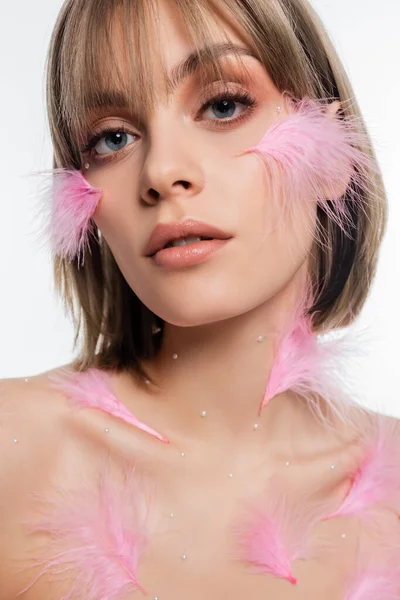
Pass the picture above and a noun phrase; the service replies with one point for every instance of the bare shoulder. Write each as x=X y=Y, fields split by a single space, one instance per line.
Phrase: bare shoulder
x=34 y=425
x=33 y=417
x=29 y=401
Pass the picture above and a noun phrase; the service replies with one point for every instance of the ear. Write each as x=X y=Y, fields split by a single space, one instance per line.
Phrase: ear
x=331 y=112
x=332 y=109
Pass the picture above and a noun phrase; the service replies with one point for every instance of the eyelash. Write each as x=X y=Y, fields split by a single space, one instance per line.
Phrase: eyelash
x=241 y=97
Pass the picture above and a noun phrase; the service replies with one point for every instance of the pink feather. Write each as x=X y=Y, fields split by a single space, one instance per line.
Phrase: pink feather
x=92 y=389
x=375 y=584
x=377 y=574
x=311 y=365
x=310 y=158
x=277 y=534
x=67 y=204
x=377 y=479
x=96 y=536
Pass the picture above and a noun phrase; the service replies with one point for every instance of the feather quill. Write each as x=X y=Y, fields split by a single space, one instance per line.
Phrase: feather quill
x=92 y=389
x=96 y=536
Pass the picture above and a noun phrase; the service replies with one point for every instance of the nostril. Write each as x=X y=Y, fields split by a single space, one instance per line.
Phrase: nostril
x=185 y=184
x=153 y=194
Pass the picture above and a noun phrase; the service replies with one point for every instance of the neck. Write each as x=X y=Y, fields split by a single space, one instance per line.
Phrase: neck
x=221 y=369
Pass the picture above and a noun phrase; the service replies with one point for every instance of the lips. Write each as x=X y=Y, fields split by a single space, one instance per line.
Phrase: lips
x=164 y=233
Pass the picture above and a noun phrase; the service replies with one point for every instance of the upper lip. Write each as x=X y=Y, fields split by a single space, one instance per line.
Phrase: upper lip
x=164 y=233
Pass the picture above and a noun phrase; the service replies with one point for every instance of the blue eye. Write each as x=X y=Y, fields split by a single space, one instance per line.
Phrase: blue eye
x=115 y=140
x=110 y=141
x=111 y=138
x=225 y=100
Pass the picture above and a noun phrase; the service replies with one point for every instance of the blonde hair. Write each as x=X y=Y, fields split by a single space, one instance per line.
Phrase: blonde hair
x=293 y=45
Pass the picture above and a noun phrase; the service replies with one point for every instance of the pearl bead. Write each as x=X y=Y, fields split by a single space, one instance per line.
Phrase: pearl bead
x=256 y=426
x=343 y=535
x=184 y=556
x=147 y=381
x=203 y=413
x=332 y=466
x=279 y=108
x=175 y=356
x=287 y=463
x=15 y=441
x=260 y=338
x=87 y=166
x=230 y=474
x=183 y=454
x=155 y=597
x=26 y=379
x=172 y=515
x=106 y=430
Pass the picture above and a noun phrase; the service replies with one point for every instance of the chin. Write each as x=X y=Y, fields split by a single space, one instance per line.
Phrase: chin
x=194 y=318
x=203 y=312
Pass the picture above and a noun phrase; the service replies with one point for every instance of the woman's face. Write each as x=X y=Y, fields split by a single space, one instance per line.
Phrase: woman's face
x=184 y=163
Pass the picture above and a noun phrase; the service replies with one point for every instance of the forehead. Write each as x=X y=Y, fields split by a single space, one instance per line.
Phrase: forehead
x=173 y=55
x=225 y=53
x=131 y=61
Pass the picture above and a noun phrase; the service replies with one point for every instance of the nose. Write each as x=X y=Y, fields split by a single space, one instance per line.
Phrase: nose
x=173 y=165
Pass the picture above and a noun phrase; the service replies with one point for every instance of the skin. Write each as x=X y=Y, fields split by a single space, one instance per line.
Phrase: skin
x=214 y=313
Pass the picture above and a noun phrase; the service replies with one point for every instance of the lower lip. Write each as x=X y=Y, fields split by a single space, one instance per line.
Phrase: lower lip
x=186 y=256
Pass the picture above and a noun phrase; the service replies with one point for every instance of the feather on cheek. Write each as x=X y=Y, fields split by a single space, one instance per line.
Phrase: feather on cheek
x=67 y=205
x=311 y=157
x=96 y=535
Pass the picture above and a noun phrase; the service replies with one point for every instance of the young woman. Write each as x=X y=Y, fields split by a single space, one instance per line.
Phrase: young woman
x=201 y=444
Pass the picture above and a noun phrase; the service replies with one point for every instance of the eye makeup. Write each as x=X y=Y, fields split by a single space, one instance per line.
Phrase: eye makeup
x=224 y=97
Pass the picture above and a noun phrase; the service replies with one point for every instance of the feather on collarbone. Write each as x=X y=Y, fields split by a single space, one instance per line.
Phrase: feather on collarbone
x=376 y=480
x=310 y=157
x=97 y=534
x=92 y=389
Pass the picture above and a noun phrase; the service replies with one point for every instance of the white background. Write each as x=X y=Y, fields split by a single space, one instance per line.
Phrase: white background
x=35 y=334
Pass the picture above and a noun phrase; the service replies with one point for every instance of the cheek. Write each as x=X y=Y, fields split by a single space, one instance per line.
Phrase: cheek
x=116 y=216
x=264 y=256
x=268 y=259
x=257 y=264
x=273 y=241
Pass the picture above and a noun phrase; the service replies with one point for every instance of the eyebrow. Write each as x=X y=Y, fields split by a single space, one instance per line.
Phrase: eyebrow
x=182 y=71
x=191 y=63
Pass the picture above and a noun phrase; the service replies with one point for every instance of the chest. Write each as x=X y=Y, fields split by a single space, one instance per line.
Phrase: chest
x=118 y=529
x=179 y=533
x=200 y=554
x=192 y=554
